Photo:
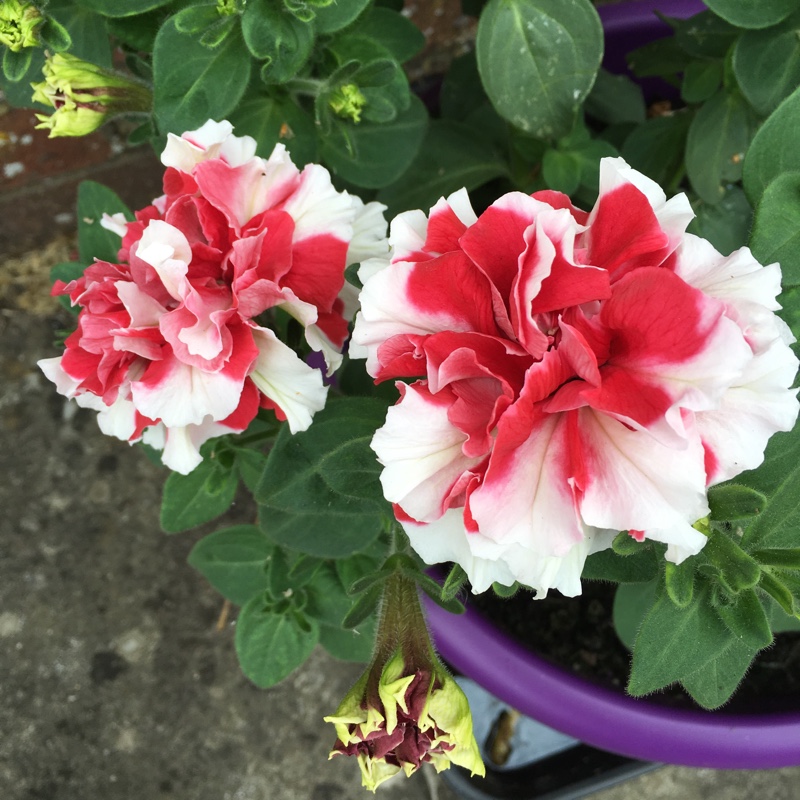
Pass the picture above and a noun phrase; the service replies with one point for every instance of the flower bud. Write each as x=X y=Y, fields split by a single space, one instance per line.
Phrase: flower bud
x=18 y=24
x=347 y=102
x=84 y=95
x=227 y=8
x=406 y=709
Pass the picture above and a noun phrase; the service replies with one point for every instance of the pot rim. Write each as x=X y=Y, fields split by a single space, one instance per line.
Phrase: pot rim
x=604 y=718
x=635 y=13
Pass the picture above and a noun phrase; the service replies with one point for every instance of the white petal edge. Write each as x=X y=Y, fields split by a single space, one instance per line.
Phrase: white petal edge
x=295 y=387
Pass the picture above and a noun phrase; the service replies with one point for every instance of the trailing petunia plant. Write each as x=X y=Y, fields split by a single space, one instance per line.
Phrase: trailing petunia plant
x=540 y=329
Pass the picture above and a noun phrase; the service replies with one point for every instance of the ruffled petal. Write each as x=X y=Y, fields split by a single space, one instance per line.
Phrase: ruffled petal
x=288 y=382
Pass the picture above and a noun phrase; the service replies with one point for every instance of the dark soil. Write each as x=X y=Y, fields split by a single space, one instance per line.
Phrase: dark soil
x=578 y=635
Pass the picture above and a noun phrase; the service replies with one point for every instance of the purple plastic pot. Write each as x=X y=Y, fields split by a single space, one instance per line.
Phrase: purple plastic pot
x=607 y=719
x=631 y=25
x=601 y=717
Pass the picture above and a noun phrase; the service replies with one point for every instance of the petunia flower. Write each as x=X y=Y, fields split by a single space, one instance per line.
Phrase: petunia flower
x=177 y=343
x=567 y=375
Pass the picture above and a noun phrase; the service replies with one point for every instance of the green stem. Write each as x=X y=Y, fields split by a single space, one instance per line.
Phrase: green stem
x=309 y=86
x=254 y=437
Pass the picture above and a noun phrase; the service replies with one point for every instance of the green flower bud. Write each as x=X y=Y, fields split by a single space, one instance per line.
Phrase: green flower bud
x=85 y=95
x=18 y=24
x=347 y=101
x=405 y=710
x=227 y=8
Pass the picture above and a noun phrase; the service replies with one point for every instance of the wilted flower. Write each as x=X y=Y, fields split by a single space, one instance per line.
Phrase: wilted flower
x=405 y=710
x=84 y=95
x=581 y=374
x=18 y=25
x=174 y=344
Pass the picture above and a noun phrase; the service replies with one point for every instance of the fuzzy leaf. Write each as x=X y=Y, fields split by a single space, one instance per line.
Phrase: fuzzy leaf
x=233 y=560
x=538 y=60
x=271 y=645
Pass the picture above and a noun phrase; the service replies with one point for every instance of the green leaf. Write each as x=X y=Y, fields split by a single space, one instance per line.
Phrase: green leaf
x=775 y=148
x=324 y=534
x=190 y=500
x=196 y=18
x=355 y=644
x=731 y=501
x=94 y=241
x=725 y=224
x=614 y=99
x=766 y=64
x=138 y=32
x=18 y=93
x=338 y=15
x=701 y=79
x=121 y=8
x=501 y=590
x=454 y=582
x=538 y=60
x=320 y=491
x=250 y=464
x=679 y=582
x=561 y=171
x=589 y=156
x=776 y=227
x=779 y=479
x=216 y=34
x=233 y=560
x=631 y=602
x=272 y=121
x=625 y=545
x=450 y=157
x=16 y=64
x=278 y=580
x=752 y=13
x=193 y=83
x=381 y=152
x=675 y=642
x=747 y=620
x=718 y=139
x=790 y=313
x=304 y=569
x=328 y=600
x=272 y=33
x=434 y=591
x=656 y=147
x=461 y=89
x=779 y=620
x=54 y=36
x=704 y=35
x=738 y=570
x=366 y=605
x=395 y=32
x=779 y=592
x=639 y=567
x=712 y=685
x=86 y=29
x=661 y=57
x=788 y=557
x=272 y=645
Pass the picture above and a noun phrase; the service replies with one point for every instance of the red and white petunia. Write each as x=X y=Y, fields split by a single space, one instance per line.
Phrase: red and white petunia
x=174 y=344
x=567 y=375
